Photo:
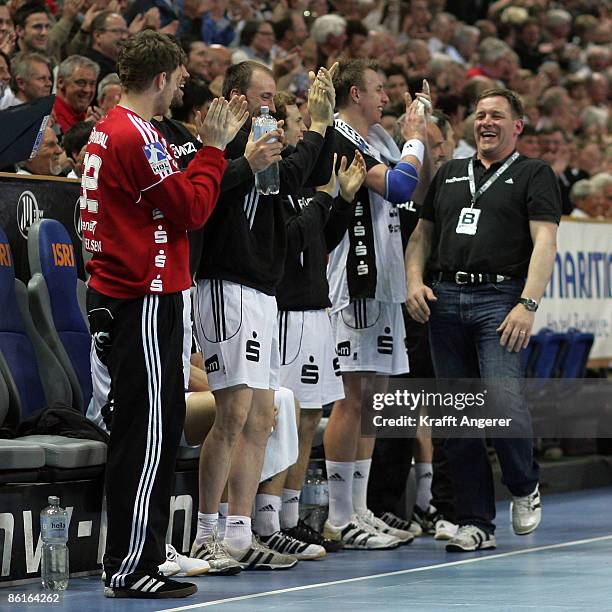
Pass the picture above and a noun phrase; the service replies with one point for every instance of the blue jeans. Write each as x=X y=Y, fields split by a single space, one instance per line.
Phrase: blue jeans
x=465 y=344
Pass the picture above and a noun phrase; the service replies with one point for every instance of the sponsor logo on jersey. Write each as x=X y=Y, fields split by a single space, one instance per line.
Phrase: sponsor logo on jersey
x=457 y=179
x=344 y=348
x=185 y=149
x=336 y=364
x=385 y=343
x=212 y=364
x=27 y=212
x=158 y=157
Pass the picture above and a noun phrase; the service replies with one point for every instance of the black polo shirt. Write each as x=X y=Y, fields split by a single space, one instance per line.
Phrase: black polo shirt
x=527 y=191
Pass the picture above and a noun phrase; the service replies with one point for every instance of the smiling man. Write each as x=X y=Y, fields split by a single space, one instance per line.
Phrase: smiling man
x=76 y=87
x=487 y=237
x=367 y=287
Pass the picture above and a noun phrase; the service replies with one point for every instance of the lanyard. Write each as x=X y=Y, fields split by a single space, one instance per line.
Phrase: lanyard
x=483 y=188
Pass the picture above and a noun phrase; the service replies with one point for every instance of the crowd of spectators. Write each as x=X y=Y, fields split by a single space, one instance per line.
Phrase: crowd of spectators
x=556 y=55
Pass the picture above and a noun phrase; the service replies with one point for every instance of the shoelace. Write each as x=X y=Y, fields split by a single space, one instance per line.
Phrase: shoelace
x=365 y=526
x=374 y=521
x=217 y=547
x=526 y=503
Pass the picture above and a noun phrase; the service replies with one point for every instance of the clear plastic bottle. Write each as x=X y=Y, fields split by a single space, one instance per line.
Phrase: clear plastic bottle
x=307 y=504
x=321 y=501
x=267 y=181
x=54 y=568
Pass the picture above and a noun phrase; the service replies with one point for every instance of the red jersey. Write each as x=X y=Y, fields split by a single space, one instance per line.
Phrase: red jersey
x=136 y=207
x=65 y=115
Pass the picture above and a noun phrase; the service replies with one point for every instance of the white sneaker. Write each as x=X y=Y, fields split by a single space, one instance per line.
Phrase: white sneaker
x=470 y=538
x=399 y=523
x=526 y=512
x=258 y=556
x=187 y=566
x=357 y=534
x=215 y=553
x=405 y=537
x=445 y=530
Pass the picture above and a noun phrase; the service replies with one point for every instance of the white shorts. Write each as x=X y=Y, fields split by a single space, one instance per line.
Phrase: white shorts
x=237 y=329
x=309 y=366
x=371 y=337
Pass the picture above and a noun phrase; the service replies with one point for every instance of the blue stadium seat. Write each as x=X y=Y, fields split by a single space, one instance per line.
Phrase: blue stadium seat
x=34 y=378
x=574 y=360
x=54 y=304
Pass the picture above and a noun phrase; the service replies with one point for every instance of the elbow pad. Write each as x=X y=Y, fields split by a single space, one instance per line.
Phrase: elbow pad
x=400 y=183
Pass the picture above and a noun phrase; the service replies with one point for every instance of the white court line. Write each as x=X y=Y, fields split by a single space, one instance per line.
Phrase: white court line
x=414 y=570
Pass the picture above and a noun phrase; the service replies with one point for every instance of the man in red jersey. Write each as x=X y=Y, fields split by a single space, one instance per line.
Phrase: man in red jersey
x=136 y=207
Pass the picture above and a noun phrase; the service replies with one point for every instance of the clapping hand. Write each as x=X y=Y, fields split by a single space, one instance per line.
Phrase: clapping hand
x=415 y=123
x=351 y=178
x=222 y=121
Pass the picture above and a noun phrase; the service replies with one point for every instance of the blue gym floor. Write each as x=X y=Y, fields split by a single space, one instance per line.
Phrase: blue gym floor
x=565 y=565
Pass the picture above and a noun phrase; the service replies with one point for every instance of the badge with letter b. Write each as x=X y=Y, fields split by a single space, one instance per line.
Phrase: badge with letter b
x=468 y=221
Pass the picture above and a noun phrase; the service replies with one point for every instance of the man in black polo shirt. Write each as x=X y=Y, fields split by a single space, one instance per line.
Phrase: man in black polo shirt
x=489 y=243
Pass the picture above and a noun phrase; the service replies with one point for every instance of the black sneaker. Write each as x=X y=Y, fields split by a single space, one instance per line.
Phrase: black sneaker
x=152 y=586
x=305 y=533
x=425 y=518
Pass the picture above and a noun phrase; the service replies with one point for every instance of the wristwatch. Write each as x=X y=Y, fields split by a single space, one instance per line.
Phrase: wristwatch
x=529 y=304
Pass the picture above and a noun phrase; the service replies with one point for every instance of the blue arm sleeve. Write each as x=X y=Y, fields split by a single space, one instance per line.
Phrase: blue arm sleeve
x=400 y=183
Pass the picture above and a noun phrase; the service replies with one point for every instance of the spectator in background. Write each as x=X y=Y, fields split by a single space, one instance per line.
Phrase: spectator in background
x=464 y=44
x=396 y=86
x=32 y=27
x=5 y=79
x=217 y=28
x=357 y=35
x=290 y=32
x=603 y=188
x=598 y=87
x=108 y=31
x=76 y=87
x=528 y=142
x=109 y=92
x=47 y=161
x=198 y=60
x=75 y=143
x=7 y=31
x=419 y=56
x=219 y=60
x=555 y=109
x=555 y=149
x=494 y=57
x=528 y=44
x=256 y=43
x=586 y=200
x=442 y=33
x=30 y=78
x=329 y=35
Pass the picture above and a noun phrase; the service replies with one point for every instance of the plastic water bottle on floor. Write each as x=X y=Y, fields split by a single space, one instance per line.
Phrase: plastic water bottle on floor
x=267 y=181
x=321 y=501
x=307 y=498
x=54 y=569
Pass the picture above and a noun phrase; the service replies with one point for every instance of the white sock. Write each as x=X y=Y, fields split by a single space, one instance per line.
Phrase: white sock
x=361 y=475
x=266 y=519
x=207 y=523
x=223 y=512
x=238 y=532
x=290 y=510
x=424 y=474
x=340 y=484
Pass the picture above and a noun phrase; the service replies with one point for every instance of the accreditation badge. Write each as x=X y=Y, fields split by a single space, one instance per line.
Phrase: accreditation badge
x=468 y=221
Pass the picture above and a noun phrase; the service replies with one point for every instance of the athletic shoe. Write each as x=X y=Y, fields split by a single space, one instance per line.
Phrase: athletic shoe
x=444 y=530
x=283 y=543
x=214 y=551
x=425 y=519
x=405 y=537
x=399 y=523
x=305 y=533
x=167 y=568
x=359 y=535
x=187 y=566
x=470 y=538
x=526 y=512
x=152 y=586
x=257 y=556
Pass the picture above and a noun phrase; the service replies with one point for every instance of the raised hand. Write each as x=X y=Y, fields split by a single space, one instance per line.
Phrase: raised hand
x=221 y=123
x=331 y=186
x=72 y=8
x=351 y=178
x=319 y=105
x=7 y=42
x=415 y=125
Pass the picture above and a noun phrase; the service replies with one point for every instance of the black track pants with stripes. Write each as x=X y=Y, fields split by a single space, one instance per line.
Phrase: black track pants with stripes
x=140 y=343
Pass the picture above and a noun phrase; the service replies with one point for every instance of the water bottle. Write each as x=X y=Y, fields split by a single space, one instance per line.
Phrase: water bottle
x=267 y=181
x=321 y=501
x=307 y=497
x=54 y=534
